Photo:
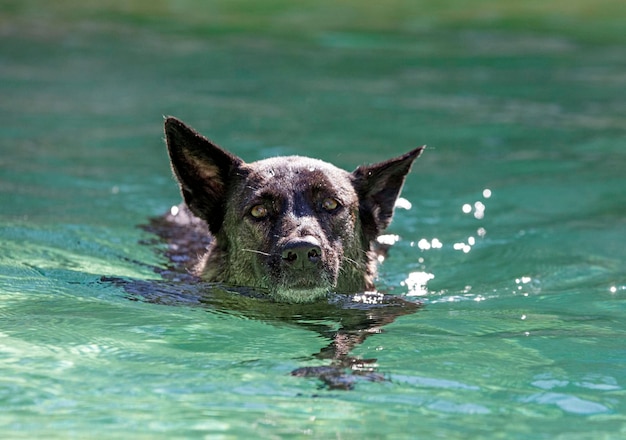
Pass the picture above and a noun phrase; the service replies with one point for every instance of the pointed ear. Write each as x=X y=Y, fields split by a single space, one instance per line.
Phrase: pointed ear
x=378 y=187
x=203 y=170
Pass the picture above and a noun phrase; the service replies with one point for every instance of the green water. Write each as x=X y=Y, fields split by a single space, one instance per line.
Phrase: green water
x=514 y=241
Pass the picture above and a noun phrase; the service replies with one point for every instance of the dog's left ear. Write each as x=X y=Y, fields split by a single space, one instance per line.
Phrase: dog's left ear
x=378 y=187
x=203 y=169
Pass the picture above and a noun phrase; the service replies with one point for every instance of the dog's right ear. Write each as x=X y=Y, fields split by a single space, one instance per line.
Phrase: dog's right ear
x=203 y=170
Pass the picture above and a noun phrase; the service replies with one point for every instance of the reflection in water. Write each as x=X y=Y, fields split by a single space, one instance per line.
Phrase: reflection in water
x=477 y=209
x=416 y=283
x=425 y=244
x=344 y=320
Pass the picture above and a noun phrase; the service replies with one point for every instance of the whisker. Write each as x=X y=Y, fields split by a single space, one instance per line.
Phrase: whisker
x=355 y=264
x=254 y=251
x=350 y=260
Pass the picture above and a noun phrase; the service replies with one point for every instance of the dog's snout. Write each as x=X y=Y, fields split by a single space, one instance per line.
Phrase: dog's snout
x=302 y=252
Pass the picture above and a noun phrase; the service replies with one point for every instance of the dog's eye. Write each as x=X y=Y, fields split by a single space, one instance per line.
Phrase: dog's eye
x=329 y=204
x=259 y=211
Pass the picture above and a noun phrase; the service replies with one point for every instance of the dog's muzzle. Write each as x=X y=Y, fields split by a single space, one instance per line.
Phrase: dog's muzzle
x=301 y=274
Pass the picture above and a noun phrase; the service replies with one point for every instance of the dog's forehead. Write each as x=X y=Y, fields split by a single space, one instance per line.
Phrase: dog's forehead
x=304 y=171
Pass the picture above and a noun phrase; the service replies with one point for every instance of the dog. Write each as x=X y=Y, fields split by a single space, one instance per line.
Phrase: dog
x=292 y=227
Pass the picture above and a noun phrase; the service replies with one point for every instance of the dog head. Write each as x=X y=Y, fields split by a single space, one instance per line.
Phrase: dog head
x=293 y=226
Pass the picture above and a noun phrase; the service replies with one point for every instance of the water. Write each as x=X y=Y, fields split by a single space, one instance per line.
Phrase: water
x=514 y=240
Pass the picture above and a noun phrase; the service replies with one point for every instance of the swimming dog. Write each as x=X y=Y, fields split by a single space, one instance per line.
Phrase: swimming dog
x=292 y=227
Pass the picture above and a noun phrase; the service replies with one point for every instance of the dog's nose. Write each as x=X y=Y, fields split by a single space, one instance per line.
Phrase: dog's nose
x=302 y=252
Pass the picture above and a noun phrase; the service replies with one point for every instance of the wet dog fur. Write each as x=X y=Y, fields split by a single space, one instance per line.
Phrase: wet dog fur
x=293 y=227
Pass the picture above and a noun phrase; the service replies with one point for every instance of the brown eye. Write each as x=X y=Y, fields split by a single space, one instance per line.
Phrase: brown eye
x=259 y=211
x=330 y=204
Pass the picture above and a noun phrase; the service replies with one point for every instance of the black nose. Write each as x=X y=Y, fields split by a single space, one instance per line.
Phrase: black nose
x=302 y=252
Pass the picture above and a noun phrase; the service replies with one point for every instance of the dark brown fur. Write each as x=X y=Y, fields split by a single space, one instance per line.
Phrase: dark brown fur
x=293 y=227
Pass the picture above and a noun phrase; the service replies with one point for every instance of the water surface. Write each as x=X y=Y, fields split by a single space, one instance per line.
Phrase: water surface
x=513 y=238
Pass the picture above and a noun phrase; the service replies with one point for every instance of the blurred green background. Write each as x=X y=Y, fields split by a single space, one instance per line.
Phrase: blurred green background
x=599 y=21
